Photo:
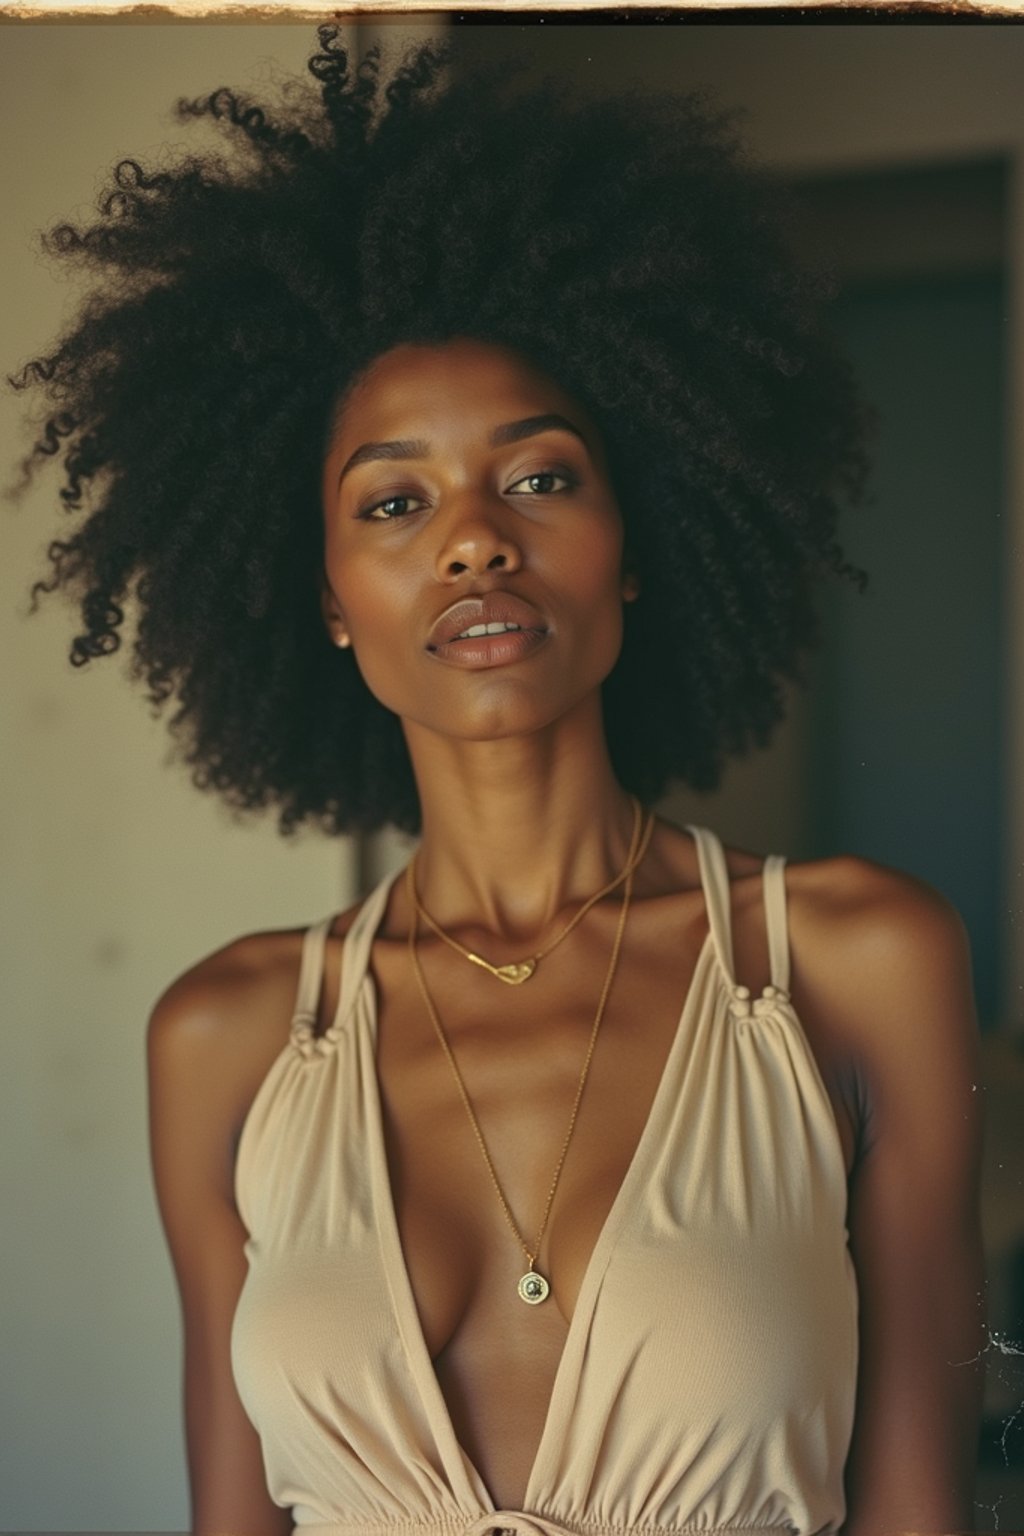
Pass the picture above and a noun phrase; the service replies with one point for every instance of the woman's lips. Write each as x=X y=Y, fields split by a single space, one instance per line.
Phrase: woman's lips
x=490 y=650
x=449 y=642
x=499 y=607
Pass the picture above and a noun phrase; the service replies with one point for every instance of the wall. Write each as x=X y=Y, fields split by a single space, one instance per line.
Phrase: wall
x=117 y=874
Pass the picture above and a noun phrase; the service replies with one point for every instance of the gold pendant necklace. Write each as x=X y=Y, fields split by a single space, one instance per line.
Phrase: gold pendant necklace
x=533 y=1287
x=514 y=974
x=518 y=971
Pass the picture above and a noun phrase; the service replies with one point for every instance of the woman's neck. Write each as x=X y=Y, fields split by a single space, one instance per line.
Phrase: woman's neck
x=515 y=830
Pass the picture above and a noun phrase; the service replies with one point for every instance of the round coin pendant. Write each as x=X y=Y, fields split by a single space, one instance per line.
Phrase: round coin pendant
x=533 y=1288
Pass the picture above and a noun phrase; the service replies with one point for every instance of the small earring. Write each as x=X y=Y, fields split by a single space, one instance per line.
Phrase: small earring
x=342 y=640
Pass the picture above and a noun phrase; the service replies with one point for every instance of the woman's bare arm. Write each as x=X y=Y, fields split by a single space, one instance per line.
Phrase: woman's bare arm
x=196 y=1069
x=914 y=1220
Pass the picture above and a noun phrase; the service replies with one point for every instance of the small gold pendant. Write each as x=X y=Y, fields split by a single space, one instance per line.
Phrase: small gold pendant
x=533 y=1288
x=514 y=974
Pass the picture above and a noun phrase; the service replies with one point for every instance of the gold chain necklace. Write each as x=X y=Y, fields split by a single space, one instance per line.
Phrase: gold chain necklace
x=518 y=971
x=533 y=1287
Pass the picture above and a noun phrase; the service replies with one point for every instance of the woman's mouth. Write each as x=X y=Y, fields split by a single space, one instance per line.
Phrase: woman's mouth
x=489 y=645
x=487 y=630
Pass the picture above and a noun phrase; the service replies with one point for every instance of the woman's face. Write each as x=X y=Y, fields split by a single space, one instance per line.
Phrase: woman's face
x=462 y=487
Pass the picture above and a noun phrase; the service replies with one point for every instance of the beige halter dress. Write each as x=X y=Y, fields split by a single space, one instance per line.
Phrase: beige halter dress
x=720 y=1402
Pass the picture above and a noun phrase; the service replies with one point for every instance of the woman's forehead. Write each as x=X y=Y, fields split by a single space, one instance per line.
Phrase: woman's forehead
x=428 y=382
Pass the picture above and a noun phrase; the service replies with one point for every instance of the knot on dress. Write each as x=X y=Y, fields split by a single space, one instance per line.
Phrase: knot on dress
x=517 y=1523
x=742 y=1006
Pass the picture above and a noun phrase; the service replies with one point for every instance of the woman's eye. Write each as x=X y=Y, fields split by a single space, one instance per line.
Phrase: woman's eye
x=540 y=482
x=390 y=507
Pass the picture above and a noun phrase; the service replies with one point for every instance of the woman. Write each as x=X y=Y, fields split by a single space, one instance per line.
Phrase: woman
x=476 y=456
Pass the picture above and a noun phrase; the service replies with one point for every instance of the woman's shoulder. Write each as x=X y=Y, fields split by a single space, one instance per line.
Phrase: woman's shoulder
x=876 y=952
x=860 y=913
x=839 y=880
x=858 y=901
x=843 y=900
x=224 y=1019
x=880 y=979
x=241 y=981
x=842 y=910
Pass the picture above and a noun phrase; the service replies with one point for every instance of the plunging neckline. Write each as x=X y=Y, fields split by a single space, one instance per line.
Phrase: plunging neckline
x=465 y=1478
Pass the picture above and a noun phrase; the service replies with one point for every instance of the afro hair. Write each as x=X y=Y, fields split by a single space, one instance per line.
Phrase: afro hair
x=626 y=246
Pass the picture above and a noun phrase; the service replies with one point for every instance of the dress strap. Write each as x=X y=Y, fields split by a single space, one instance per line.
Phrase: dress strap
x=310 y=972
x=714 y=878
x=775 y=917
x=355 y=956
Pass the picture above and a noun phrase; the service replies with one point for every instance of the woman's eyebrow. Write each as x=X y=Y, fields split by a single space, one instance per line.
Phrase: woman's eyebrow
x=514 y=431
x=418 y=448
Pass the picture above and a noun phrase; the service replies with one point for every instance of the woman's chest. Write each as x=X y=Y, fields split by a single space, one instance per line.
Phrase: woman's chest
x=488 y=1155
x=494 y=1174
x=511 y=1125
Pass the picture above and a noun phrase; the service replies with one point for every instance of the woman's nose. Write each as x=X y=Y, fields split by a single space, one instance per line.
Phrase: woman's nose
x=478 y=537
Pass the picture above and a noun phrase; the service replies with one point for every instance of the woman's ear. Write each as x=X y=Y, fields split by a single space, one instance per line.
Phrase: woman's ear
x=630 y=587
x=333 y=614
